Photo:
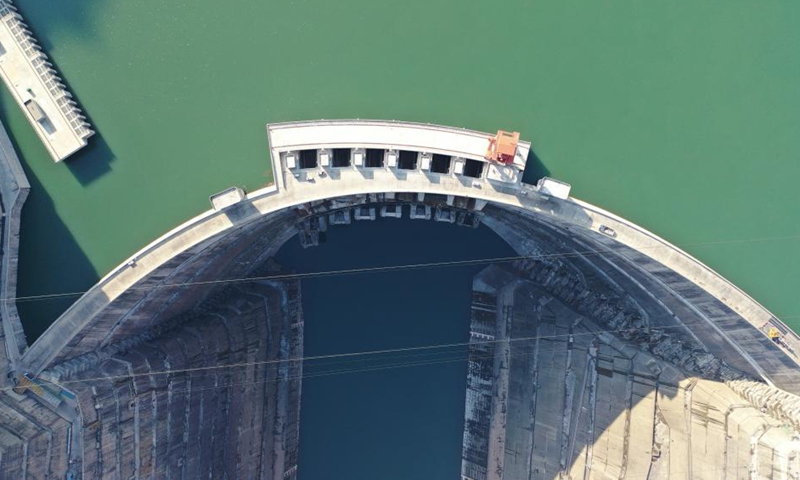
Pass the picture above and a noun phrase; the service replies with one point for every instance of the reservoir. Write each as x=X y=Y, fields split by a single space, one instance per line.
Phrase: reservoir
x=682 y=118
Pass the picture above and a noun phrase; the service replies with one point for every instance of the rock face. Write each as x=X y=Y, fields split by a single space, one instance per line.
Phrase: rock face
x=620 y=314
x=781 y=405
x=165 y=409
x=590 y=362
x=591 y=285
x=551 y=394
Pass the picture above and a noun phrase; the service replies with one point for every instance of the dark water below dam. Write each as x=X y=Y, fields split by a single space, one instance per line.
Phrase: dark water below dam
x=386 y=423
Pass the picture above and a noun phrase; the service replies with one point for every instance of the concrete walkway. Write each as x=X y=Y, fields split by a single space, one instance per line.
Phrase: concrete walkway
x=14 y=188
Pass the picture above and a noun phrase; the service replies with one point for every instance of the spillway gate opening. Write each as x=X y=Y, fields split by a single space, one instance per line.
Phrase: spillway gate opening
x=308 y=159
x=341 y=157
x=374 y=158
x=473 y=168
x=408 y=160
x=440 y=164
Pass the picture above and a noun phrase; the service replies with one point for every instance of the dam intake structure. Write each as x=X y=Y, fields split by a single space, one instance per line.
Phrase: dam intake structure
x=38 y=89
x=602 y=350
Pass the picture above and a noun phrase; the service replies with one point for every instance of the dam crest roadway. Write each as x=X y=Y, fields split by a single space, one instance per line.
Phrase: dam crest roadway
x=296 y=186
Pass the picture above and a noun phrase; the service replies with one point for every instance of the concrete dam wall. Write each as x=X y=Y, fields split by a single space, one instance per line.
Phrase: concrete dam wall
x=166 y=409
x=602 y=351
x=14 y=189
x=300 y=187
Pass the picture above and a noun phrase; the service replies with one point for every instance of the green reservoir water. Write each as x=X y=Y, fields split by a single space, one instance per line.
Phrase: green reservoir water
x=680 y=116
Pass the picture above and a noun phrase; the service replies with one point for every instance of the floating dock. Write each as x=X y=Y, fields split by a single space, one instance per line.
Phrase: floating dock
x=38 y=89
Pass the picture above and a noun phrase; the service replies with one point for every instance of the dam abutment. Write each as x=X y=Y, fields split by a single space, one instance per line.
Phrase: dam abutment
x=14 y=189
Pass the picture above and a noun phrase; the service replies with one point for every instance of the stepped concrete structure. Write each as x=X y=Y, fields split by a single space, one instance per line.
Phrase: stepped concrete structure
x=37 y=88
x=603 y=351
x=14 y=189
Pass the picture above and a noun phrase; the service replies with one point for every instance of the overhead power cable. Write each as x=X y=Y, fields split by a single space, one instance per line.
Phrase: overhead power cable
x=349 y=355
x=469 y=356
x=387 y=268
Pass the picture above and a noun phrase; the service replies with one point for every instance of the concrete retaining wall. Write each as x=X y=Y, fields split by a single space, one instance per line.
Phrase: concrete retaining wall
x=14 y=188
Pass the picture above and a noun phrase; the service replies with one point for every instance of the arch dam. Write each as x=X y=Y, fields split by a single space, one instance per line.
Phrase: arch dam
x=601 y=351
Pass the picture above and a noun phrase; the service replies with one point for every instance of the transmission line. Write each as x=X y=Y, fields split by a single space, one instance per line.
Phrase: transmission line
x=386 y=268
x=362 y=354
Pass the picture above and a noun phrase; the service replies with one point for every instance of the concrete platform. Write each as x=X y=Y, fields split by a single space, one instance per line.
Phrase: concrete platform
x=38 y=90
x=361 y=134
